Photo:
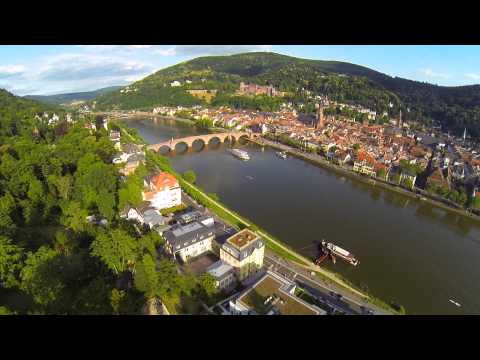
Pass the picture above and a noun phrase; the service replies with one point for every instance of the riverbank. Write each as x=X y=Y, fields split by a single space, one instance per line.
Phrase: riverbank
x=143 y=115
x=317 y=160
x=273 y=244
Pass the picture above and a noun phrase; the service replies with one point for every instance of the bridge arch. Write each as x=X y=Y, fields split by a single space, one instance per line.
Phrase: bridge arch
x=212 y=138
x=179 y=144
x=164 y=149
x=206 y=139
x=199 y=141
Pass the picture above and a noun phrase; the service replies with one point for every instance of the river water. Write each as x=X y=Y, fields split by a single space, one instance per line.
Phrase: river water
x=410 y=252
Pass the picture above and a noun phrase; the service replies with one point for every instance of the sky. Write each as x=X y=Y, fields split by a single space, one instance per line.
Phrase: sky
x=49 y=69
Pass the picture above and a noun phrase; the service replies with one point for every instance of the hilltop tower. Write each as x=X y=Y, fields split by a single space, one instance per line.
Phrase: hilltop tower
x=320 y=123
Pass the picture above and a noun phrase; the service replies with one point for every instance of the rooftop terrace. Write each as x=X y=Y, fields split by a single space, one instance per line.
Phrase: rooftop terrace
x=286 y=304
x=242 y=238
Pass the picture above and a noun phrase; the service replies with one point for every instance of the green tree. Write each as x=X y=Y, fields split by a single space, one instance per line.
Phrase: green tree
x=476 y=202
x=41 y=278
x=381 y=173
x=7 y=207
x=149 y=242
x=146 y=277
x=116 y=249
x=6 y=311
x=207 y=284
x=94 y=298
x=190 y=176
x=73 y=216
x=10 y=262
x=126 y=302
x=214 y=196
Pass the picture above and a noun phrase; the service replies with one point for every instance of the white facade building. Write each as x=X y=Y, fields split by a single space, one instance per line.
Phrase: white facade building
x=163 y=191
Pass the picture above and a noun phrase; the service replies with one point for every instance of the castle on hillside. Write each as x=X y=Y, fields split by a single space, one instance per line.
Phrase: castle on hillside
x=254 y=89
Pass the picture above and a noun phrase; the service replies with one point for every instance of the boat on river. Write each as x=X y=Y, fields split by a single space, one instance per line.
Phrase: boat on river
x=455 y=303
x=240 y=154
x=281 y=154
x=334 y=251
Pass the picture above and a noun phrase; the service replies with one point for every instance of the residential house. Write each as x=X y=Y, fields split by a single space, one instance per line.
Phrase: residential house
x=190 y=240
x=133 y=162
x=115 y=138
x=408 y=178
x=195 y=215
x=244 y=251
x=162 y=190
x=272 y=295
x=224 y=275
x=363 y=167
x=144 y=214
x=394 y=174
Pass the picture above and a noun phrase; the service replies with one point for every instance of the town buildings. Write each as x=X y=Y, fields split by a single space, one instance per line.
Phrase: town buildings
x=162 y=191
x=244 y=251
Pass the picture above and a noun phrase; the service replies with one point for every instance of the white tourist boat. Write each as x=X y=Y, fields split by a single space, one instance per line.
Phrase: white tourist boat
x=281 y=154
x=241 y=154
x=455 y=303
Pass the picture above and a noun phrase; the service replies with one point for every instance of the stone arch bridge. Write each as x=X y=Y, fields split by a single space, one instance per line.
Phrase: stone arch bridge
x=206 y=138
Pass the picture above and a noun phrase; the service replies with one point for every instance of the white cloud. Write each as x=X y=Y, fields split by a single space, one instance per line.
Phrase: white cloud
x=70 y=67
x=428 y=72
x=218 y=49
x=181 y=50
x=72 y=72
x=170 y=51
x=11 y=70
x=473 y=76
x=89 y=67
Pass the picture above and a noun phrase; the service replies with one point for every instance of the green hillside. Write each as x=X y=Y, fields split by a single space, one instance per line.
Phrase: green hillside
x=53 y=260
x=16 y=113
x=59 y=99
x=453 y=107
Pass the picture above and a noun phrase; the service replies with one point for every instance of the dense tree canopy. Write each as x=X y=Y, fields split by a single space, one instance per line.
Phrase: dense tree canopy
x=56 y=182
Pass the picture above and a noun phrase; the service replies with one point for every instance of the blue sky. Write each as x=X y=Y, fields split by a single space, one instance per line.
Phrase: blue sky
x=46 y=69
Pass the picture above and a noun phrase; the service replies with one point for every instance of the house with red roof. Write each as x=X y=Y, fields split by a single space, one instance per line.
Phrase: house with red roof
x=162 y=191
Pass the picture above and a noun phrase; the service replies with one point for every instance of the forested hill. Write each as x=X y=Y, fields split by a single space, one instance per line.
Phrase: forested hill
x=453 y=107
x=17 y=113
x=60 y=99
x=53 y=259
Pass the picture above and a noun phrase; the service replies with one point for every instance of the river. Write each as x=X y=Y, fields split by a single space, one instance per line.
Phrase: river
x=410 y=252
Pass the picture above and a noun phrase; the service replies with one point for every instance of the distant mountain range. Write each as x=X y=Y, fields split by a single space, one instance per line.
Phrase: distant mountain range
x=67 y=99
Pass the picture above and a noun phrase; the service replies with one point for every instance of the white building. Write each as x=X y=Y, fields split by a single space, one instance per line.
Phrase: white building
x=224 y=275
x=162 y=190
x=175 y=83
x=190 y=240
x=244 y=251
